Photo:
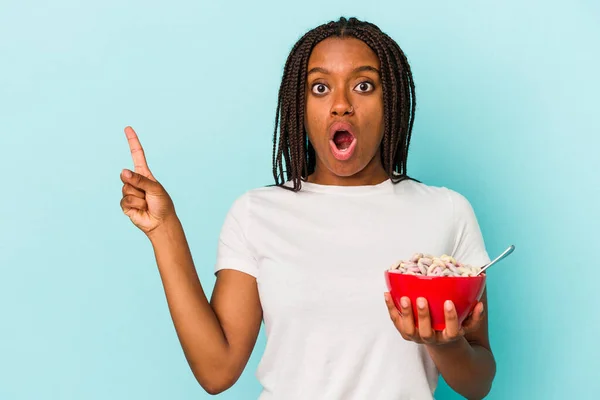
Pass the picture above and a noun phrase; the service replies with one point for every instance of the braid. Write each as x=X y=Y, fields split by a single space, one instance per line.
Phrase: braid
x=290 y=140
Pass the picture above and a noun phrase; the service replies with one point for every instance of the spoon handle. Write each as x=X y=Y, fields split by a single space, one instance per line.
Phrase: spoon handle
x=506 y=253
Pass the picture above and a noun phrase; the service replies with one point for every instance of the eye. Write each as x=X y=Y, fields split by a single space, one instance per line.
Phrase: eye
x=364 y=87
x=319 y=88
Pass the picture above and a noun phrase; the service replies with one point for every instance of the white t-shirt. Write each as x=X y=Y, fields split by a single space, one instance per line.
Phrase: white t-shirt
x=319 y=257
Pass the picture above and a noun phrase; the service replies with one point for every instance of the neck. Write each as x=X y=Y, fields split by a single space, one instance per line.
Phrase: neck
x=372 y=174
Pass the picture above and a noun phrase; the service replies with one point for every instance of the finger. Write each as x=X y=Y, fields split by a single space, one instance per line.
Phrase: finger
x=425 y=330
x=393 y=311
x=132 y=202
x=140 y=182
x=452 y=330
x=408 y=320
x=475 y=319
x=137 y=153
x=131 y=191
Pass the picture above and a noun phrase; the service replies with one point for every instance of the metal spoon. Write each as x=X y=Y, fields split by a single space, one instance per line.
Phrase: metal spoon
x=506 y=252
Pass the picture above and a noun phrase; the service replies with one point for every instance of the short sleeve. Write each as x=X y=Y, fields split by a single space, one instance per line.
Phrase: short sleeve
x=234 y=250
x=469 y=245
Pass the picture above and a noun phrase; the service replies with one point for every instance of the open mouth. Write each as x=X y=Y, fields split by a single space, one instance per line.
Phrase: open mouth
x=342 y=140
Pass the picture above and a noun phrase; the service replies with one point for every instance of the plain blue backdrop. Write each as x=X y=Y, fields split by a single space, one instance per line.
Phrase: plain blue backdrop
x=507 y=96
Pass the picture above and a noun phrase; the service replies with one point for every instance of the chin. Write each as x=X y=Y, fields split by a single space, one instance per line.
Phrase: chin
x=345 y=169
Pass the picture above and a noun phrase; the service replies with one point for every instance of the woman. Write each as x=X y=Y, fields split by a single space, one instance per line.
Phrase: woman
x=307 y=254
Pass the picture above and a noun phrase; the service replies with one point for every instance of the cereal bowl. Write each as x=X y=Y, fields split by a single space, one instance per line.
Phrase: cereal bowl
x=464 y=290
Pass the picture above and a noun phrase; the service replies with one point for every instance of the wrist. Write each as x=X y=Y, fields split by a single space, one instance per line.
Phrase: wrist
x=459 y=346
x=166 y=230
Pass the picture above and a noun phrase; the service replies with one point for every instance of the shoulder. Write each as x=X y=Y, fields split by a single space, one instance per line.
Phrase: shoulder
x=422 y=191
x=264 y=196
x=443 y=196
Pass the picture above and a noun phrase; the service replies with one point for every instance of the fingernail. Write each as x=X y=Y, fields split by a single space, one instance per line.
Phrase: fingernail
x=421 y=303
x=448 y=305
x=481 y=312
x=127 y=173
x=404 y=302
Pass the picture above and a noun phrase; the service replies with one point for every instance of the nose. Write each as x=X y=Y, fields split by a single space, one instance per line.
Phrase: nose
x=341 y=105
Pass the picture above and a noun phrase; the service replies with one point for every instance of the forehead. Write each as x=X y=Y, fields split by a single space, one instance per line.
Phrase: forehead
x=337 y=54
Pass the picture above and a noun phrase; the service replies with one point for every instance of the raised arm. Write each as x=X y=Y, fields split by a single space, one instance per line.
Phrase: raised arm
x=217 y=337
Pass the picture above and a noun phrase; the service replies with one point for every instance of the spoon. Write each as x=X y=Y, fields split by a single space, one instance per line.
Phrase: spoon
x=506 y=252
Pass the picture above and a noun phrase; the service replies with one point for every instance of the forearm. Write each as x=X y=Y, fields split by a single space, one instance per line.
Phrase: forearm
x=468 y=369
x=197 y=326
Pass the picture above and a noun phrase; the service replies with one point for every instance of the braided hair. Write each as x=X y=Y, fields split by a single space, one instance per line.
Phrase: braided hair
x=291 y=143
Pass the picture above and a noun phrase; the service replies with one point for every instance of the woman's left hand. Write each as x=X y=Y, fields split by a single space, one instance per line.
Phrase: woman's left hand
x=405 y=323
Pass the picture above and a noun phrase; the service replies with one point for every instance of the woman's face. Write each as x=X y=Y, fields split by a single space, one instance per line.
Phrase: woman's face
x=344 y=111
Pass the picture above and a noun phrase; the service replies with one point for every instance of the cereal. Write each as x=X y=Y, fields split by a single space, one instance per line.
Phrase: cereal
x=428 y=265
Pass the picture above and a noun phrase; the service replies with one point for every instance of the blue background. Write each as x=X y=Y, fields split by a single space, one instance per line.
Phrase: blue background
x=507 y=114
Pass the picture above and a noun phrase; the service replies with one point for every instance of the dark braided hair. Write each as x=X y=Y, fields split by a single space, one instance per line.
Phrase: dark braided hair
x=293 y=145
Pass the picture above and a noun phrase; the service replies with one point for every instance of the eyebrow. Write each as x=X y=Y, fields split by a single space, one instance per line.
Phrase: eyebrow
x=355 y=70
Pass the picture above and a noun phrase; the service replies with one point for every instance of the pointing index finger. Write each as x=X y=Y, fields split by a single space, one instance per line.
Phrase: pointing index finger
x=137 y=153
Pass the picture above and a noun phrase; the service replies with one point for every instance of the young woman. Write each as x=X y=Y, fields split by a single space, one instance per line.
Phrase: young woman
x=307 y=255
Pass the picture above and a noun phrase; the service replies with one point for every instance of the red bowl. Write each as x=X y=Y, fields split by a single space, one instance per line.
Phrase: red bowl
x=464 y=291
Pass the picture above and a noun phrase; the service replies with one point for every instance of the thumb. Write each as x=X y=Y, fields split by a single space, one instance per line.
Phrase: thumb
x=139 y=181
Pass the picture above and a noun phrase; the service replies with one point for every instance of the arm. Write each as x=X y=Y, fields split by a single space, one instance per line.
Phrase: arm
x=217 y=337
x=467 y=364
x=462 y=354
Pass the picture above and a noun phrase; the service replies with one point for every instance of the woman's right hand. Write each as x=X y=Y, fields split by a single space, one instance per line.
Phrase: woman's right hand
x=145 y=201
x=217 y=336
